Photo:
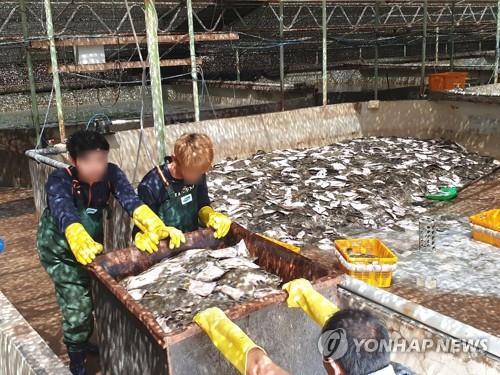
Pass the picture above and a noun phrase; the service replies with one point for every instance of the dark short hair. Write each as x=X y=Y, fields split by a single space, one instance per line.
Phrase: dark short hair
x=84 y=141
x=359 y=325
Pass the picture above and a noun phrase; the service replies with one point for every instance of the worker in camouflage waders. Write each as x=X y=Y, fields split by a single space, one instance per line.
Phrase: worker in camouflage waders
x=177 y=190
x=70 y=233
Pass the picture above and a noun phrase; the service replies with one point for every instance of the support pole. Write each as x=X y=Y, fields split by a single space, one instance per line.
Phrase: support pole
x=497 y=50
x=377 y=23
x=282 y=58
x=238 y=71
x=55 y=71
x=31 y=76
x=452 y=37
x=325 y=71
x=194 y=73
x=155 y=74
x=437 y=45
x=424 y=49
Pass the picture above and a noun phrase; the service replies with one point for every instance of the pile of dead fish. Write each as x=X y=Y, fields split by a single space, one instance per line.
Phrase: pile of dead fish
x=176 y=289
x=318 y=194
x=354 y=254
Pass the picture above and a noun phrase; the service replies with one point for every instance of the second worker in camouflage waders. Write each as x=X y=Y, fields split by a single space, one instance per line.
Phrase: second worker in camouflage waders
x=177 y=190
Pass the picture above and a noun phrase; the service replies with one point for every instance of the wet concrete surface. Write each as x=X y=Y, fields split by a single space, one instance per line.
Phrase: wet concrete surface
x=468 y=291
x=465 y=271
x=460 y=276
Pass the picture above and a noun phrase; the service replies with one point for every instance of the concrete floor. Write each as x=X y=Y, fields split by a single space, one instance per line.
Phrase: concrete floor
x=30 y=290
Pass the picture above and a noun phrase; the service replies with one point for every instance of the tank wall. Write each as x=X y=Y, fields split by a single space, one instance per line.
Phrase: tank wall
x=22 y=350
x=474 y=125
x=125 y=345
x=288 y=335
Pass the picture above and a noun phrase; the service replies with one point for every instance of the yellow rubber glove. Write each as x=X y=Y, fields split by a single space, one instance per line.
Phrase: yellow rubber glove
x=81 y=244
x=215 y=220
x=148 y=222
x=301 y=294
x=231 y=341
x=147 y=241
x=176 y=237
x=152 y=227
x=144 y=243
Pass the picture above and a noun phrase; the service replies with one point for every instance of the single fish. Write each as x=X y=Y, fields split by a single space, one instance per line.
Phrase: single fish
x=211 y=272
x=201 y=288
x=229 y=252
x=237 y=263
x=234 y=293
x=137 y=294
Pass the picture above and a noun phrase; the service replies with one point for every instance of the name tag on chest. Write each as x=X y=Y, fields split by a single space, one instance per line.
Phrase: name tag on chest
x=91 y=211
x=187 y=199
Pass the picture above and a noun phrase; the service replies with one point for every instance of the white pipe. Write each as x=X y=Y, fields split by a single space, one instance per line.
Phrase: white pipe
x=39 y=156
x=426 y=316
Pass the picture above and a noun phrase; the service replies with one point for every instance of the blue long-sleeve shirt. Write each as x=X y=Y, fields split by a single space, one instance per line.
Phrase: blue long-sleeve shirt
x=62 y=200
x=152 y=191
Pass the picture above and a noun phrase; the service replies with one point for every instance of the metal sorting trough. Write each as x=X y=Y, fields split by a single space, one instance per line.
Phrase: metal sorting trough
x=132 y=342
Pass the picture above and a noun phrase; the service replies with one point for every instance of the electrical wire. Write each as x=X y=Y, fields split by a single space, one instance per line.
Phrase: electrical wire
x=204 y=85
x=45 y=120
x=143 y=97
x=107 y=81
x=117 y=98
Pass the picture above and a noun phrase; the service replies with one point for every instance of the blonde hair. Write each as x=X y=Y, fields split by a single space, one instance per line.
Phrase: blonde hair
x=194 y=150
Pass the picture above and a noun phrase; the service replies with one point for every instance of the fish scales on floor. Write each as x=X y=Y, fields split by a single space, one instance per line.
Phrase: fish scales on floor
x=308 y=195
x=177 y=288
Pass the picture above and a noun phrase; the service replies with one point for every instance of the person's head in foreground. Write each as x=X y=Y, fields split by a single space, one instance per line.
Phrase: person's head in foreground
x=349 y=327
x=193 y=156
x=88 y=153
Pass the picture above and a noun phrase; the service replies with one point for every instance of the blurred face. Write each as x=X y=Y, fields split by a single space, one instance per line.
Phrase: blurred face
x=91 y=166
x=189 y=175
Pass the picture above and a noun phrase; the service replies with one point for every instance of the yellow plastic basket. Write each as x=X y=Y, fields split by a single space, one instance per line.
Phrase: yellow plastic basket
x=486 y=227
x=375 y=271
